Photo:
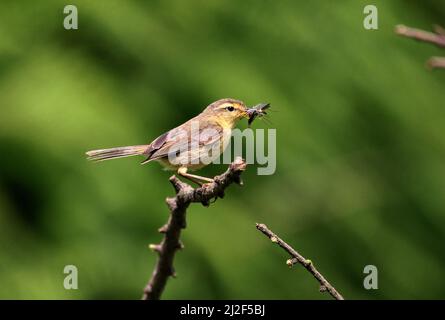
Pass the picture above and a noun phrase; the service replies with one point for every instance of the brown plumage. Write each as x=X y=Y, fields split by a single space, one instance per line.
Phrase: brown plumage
x=182 y=148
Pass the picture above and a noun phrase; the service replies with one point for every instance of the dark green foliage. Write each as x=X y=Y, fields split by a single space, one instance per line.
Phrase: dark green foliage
x=361 y=147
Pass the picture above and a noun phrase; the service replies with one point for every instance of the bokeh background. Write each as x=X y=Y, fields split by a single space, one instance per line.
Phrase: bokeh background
x=360 y=173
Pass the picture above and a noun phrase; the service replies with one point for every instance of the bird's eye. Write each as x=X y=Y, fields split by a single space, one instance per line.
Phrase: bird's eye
x=230 y=108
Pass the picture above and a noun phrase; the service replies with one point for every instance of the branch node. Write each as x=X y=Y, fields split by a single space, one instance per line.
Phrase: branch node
x=180 y=245
x=155 y=247
x=171 y=203
x=238 y=165
x=173 y=272
x=176 y=183
x=163 y=229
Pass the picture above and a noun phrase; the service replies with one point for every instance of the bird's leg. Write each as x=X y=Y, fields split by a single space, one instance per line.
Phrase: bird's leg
x=192 y=177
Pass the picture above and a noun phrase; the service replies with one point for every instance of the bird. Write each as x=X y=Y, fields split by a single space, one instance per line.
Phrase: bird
x=193 y=144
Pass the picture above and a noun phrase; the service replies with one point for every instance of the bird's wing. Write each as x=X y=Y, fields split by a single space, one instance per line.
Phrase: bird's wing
x=160 y=143
x=157 y=143
x=179 y=139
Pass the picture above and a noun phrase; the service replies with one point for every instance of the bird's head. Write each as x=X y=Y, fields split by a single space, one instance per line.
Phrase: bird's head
x=227 y=111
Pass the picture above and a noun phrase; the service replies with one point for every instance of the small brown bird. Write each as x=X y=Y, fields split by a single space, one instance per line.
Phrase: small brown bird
x=193 y=144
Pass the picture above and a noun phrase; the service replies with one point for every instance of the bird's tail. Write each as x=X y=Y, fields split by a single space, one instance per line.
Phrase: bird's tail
x=113 y=153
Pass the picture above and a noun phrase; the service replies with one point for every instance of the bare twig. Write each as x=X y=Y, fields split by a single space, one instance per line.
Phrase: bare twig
x=298 y=258
x=178 y=205
x=437 y=37
x=436 y=62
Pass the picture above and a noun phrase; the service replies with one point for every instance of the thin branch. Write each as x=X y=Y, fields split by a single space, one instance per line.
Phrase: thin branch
x=298 y=258
x=436 y=62
x=178 y=205
x=435 y=38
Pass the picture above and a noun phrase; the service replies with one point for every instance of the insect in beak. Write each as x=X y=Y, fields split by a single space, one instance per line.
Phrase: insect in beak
x=257 y=111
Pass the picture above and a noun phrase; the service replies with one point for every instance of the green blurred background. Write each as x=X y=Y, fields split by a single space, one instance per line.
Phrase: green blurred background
x=360 y=173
